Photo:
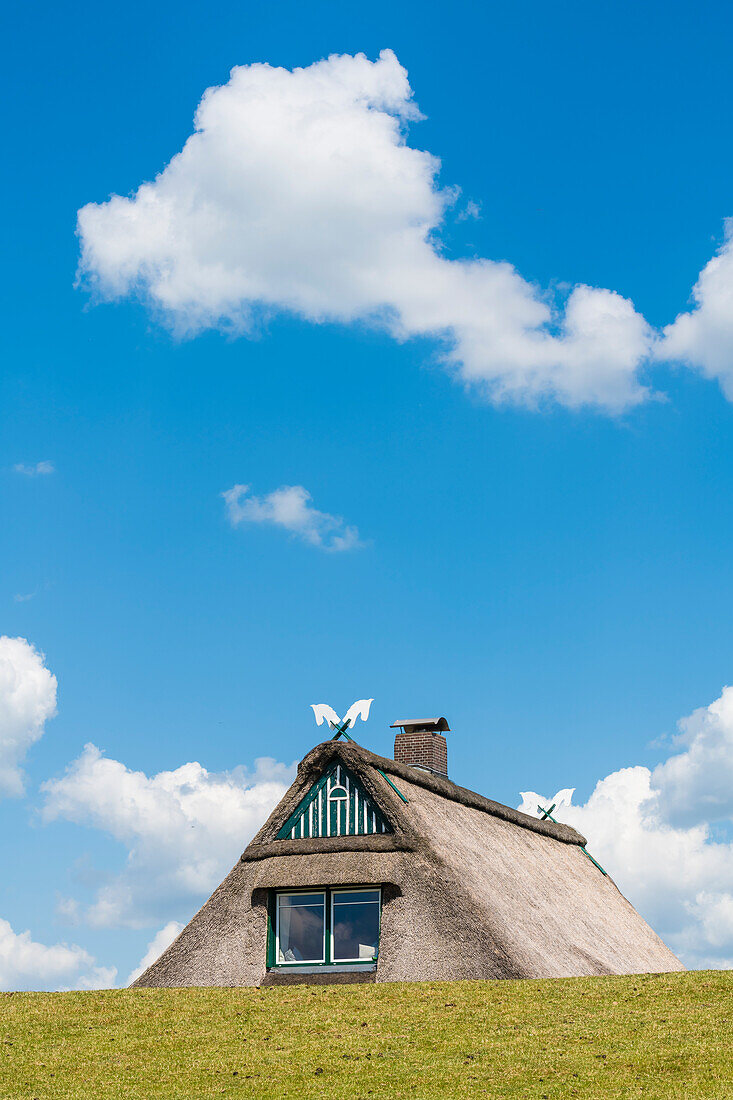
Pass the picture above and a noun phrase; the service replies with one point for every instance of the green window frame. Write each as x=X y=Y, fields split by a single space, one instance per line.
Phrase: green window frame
x=328 y=899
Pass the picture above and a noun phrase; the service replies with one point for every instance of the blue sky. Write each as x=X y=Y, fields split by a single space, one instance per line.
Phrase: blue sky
x=552 y=575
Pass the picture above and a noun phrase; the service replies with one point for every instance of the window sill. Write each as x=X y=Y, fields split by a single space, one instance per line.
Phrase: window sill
x=323 y=968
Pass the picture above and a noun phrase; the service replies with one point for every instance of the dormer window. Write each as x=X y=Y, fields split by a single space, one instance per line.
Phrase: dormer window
x=325 y=927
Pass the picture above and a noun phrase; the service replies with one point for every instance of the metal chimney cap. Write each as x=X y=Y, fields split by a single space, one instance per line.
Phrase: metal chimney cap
x=416 y=725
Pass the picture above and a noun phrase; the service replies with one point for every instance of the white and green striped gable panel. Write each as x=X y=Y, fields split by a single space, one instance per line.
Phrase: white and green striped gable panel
x=336 y=805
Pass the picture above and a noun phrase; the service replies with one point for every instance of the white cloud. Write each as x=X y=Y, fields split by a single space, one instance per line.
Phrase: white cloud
x=652 y=831
x=290 y=507
x=703 y=337
x=38 y=470
x=27 y=964
x=27 y=701
x=182 y=829
x=697 y=784
x=471 y=211
x=714 y=911
x=298 y=192
x=162 y=939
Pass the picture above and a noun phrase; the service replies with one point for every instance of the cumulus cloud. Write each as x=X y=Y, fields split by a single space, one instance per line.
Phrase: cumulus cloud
x=697 y=784
x=162 y=939
x=38 y=470
x=298 y=192
x=183 y=829
x=703 y=336
x=652 y=831
x=27 y=701
x=27 y=964
x=291 y=507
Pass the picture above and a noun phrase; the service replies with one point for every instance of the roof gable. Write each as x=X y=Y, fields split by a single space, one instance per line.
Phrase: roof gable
x=336 y=805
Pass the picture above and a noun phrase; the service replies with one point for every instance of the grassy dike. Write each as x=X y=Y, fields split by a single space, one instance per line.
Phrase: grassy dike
x=650 y=1036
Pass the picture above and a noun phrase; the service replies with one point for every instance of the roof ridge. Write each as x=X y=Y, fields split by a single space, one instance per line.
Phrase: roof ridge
x=446 y=788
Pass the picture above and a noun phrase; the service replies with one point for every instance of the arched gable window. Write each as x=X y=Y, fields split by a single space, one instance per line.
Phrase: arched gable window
x=336 y=805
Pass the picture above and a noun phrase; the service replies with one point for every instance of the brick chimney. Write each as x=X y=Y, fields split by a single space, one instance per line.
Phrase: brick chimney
x=420 y=743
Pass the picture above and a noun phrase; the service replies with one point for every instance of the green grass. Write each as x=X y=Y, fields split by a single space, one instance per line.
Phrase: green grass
x=650 y=1036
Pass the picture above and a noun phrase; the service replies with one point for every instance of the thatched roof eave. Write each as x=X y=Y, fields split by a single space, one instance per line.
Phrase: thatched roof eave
x=371 y=842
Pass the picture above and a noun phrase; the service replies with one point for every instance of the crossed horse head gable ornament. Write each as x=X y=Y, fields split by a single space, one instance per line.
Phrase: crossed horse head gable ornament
x=324 y=713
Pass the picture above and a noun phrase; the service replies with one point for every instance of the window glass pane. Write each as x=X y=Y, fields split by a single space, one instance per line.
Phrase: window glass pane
x=300 y=928
x=355 y=927
x=351 y=896
x=300 y=899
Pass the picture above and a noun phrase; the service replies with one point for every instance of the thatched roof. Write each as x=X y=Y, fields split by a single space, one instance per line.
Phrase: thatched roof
x=471 y=889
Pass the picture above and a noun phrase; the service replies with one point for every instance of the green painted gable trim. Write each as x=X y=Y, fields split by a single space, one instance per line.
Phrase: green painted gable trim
x=336 y=805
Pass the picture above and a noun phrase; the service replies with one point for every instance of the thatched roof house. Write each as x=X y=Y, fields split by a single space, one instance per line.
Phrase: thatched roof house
x=371 y=869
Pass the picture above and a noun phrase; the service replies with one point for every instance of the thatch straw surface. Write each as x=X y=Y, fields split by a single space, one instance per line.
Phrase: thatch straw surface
x=471 y=889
